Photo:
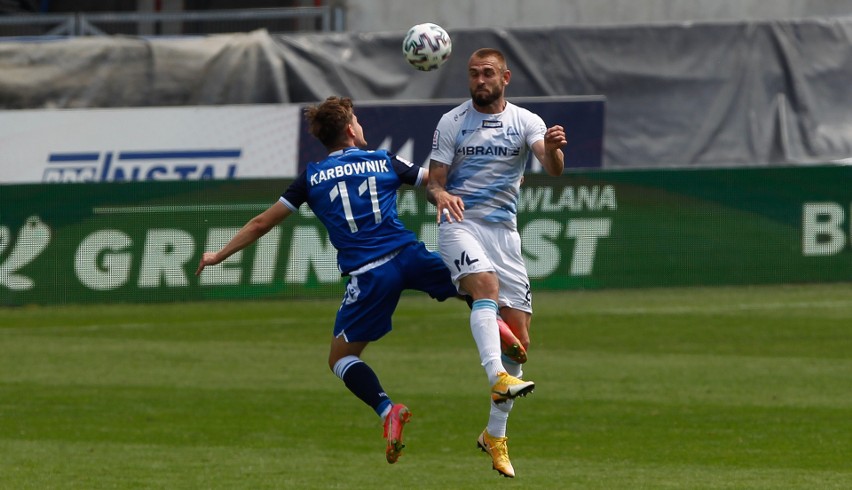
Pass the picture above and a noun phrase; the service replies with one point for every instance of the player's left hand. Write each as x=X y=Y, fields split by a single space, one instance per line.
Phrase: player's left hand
x=554 y=138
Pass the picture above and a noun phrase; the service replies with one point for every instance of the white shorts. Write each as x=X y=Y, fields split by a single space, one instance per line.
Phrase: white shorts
x=475 y=245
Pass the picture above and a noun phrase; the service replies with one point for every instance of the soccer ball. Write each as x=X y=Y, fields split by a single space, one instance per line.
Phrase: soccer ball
x=427 y=46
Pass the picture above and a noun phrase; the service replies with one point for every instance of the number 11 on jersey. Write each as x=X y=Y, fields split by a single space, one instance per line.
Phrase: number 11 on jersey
x=341 y=191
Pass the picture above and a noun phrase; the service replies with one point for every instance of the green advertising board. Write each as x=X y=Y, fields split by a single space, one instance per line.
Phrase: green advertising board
x=141 y=241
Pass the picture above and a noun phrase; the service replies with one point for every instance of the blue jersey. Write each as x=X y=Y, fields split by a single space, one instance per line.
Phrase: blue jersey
x=353 y=193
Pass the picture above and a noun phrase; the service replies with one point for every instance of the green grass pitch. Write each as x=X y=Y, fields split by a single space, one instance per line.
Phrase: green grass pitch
x=706 y=388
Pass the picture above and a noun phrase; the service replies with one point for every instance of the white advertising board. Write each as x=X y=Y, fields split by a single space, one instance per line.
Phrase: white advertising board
x=163 y=143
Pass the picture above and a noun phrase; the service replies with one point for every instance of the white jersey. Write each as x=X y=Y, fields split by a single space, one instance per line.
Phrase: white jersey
x=487 y=154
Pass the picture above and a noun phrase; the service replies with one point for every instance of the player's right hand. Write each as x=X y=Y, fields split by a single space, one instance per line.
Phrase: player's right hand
x=450 y=208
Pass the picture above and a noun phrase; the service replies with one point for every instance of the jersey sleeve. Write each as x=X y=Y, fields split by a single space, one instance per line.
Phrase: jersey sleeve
x=408 y=172
x=535 y=128
x=297 y=193
x=443 y=142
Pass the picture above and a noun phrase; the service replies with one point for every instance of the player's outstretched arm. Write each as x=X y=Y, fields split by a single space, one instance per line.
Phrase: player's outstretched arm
x=248 y=234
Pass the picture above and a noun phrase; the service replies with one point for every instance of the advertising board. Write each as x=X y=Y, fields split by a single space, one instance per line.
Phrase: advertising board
x=235 y=142
x=589 y=229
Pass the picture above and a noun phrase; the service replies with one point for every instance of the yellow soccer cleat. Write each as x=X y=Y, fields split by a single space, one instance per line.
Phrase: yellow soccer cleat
x=509 y=387
x=509 y=343
x=394 y=422
x=497 y=448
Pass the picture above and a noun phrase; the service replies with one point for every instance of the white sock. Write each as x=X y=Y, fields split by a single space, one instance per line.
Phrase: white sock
x=486 y=334
x=498 y=419
x=513 y=368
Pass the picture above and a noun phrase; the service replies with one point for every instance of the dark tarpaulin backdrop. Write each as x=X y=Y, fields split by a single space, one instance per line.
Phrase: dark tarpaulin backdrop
x=678 y=95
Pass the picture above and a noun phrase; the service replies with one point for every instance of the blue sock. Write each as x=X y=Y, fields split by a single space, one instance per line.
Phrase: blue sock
x=360 y=379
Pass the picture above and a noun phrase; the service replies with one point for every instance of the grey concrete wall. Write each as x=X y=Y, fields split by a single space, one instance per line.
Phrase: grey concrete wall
x=389 y=15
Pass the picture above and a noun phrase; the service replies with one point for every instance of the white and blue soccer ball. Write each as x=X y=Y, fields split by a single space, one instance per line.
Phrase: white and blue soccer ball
x=427 y=46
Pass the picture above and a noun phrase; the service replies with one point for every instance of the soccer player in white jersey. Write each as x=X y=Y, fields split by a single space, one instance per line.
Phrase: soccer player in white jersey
x=354 y=193
x=479 y=153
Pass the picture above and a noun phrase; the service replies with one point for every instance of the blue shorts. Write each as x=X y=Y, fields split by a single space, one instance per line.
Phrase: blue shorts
x=372 y=295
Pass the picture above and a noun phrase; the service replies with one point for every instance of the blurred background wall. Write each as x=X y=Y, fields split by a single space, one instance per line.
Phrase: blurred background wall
x=687 y=83
x=381 y=15
x=378 y=15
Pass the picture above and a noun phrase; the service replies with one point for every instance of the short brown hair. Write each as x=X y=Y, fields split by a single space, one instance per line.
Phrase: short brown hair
x=489 y=52
x=327 y=121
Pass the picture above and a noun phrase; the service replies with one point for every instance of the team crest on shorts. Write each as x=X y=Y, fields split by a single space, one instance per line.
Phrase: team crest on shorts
x=352 y=291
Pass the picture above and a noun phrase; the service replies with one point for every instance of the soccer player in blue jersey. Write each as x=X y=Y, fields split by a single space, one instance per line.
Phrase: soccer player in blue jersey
x=479 y=153
x=354 y=193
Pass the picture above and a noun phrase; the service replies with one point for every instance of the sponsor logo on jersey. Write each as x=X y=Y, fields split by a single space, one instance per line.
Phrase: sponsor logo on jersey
x=492 y=124
x=499 y=151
